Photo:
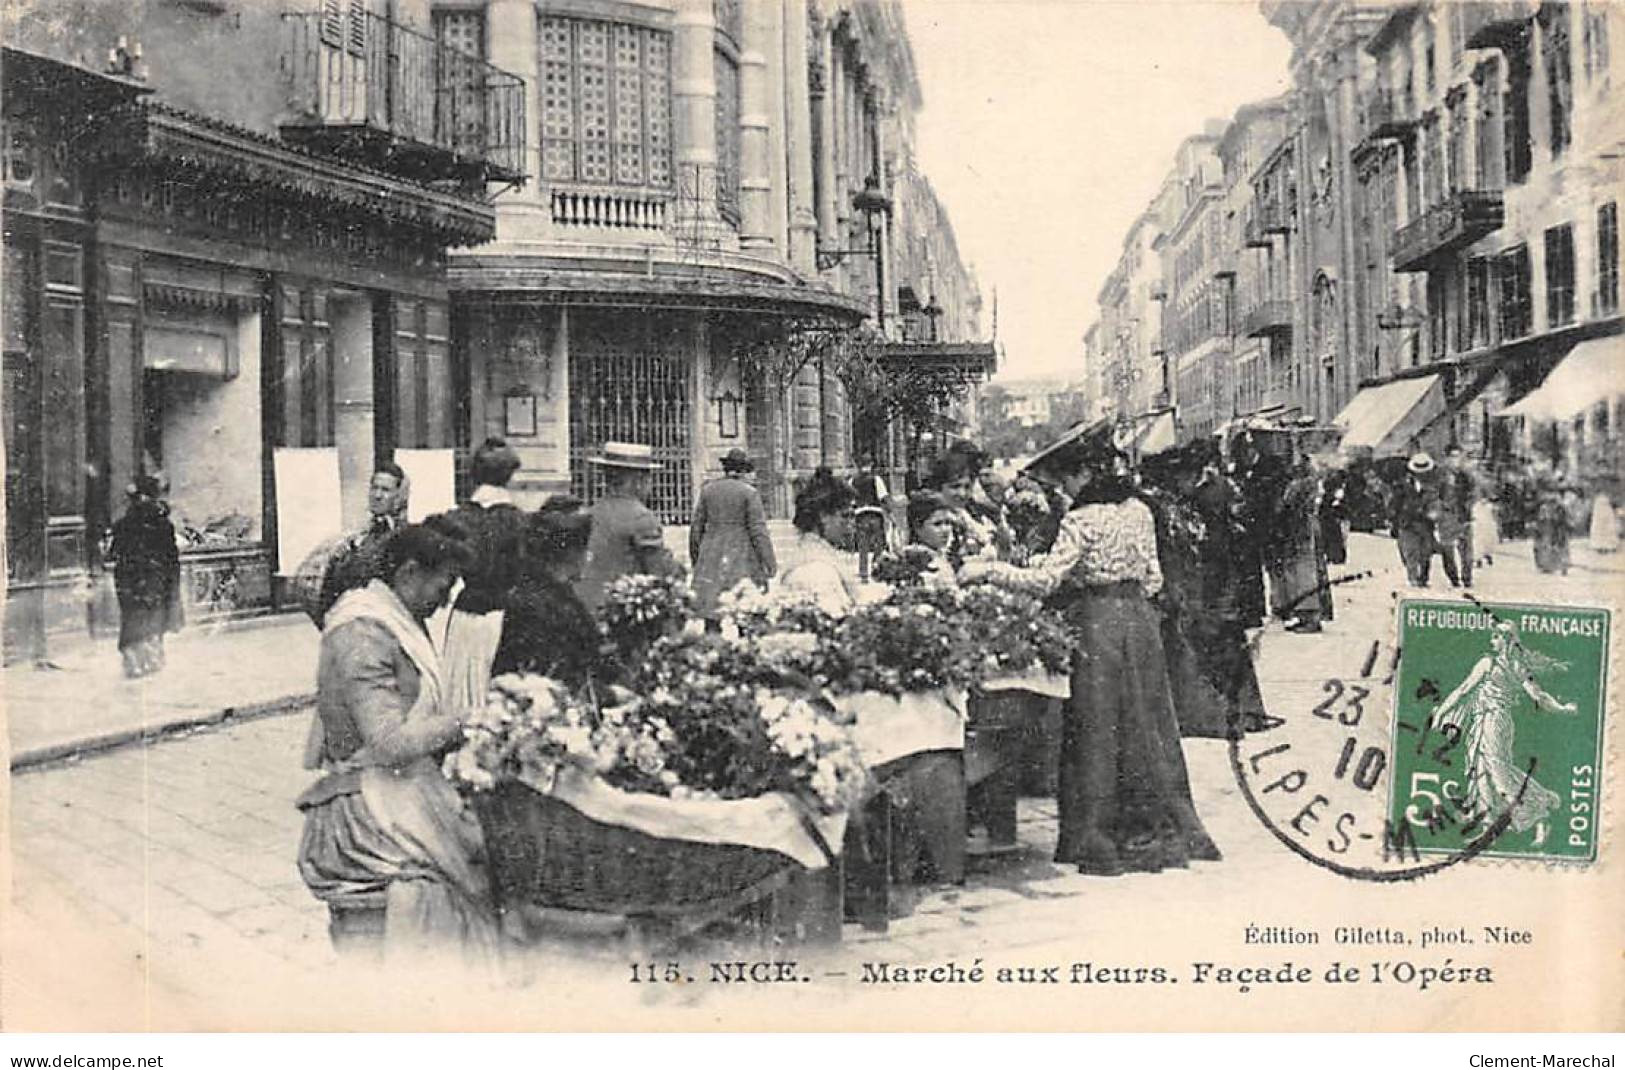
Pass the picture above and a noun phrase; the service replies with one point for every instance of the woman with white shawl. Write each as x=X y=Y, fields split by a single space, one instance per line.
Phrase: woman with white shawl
x=388 y=843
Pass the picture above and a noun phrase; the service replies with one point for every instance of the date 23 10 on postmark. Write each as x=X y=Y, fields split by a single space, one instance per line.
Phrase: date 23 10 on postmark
x=1498 y=723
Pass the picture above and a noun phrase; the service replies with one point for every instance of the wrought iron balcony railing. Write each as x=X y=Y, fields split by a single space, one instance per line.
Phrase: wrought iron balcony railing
x=1460 y=219
x=1273 y=317
x=369 y=89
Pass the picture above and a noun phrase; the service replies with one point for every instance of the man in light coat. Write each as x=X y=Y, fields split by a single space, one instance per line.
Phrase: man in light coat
x=728 y=539
x=626 y=537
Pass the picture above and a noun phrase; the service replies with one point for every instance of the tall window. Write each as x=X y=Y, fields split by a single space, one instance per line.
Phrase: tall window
x=1457 y=178
x=1432 y=163
x=1515 y=116
x=1490 y=162
x=1512 y=292
x=1476 y=303
x=1596 y=41
x=1559 y=275
x=1608 y=259
x=1554 y=49
x=727 y=119
x=1438 y=316
x=606 y=103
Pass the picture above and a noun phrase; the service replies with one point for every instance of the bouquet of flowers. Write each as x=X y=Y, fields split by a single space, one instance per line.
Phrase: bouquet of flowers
x=1016 y=634
x=638 y=609
x=710 y=722
x=907 y=567
x=1031 y=515
x=917 y=639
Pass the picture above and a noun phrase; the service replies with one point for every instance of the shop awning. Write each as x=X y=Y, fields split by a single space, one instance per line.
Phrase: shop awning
x=1386 y=419
x=1593 y=372
x=1152 y=433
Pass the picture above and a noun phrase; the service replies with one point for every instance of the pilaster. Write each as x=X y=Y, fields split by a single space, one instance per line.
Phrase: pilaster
x=799 y=105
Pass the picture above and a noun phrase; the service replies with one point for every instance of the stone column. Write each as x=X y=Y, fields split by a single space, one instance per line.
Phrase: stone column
x=755 y=193
x=694 y=117
x=778 y=164
x=839 y=127
x=825 y=93
x=799 y=105
x=511 y=44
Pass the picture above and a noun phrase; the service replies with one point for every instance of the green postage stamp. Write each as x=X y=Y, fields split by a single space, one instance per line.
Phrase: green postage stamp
x=1498 y=728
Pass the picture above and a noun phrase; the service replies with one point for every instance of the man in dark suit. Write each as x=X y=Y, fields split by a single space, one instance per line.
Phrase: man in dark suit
x=728 y=539
x=1414 y=510
x=626 y=538
x=1456 y=510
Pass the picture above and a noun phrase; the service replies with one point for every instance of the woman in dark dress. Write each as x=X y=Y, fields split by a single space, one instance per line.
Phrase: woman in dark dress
x=1125 y=797
x=1551 y=528
x=146 y=577
x=547 y=629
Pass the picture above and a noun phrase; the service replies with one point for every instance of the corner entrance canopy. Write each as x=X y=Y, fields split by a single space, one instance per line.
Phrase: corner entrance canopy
x=1385 y=420
x=1593 y=372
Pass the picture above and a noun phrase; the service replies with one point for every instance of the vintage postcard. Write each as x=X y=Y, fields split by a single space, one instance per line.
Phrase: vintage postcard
x=785 y=515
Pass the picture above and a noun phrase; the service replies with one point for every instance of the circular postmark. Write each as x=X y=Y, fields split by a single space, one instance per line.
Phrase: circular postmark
x=1317 y=773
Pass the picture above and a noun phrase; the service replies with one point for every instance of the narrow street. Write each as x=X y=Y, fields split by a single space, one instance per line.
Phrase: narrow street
x=172 y=863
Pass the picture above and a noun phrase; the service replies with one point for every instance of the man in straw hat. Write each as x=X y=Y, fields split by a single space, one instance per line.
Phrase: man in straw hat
x=626 y=537
x=1415 y=509
x=728 y=540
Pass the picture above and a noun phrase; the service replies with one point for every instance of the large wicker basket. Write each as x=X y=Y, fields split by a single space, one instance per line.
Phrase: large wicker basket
x=545 y=852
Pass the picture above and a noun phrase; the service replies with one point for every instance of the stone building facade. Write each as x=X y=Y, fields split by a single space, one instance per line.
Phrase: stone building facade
x=1420 y=233
x=226 y=230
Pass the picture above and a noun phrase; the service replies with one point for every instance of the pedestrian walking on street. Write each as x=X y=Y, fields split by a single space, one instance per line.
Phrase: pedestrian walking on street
x=1414 y=507
x=496 y=535
x=824 y=521
x=389 y=845
x=1306 y=592
x=870 y=531
x=1551 y=528
x=626 y=535
x=1124 y=793
x=1457 y=494
x=728 y=540
x=146 y=577
x=1604 y=535
x=546 y=628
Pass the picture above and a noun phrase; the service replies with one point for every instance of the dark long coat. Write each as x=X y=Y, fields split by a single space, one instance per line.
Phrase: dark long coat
x=728 y=541
x=626 y=540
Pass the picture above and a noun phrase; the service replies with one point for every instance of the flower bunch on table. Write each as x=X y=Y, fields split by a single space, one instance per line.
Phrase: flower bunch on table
x=638 y=609
x=1014 y=633
x=906 y=567
x=916 y=639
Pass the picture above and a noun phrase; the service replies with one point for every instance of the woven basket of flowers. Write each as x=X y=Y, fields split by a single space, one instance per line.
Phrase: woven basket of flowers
x=711 y=787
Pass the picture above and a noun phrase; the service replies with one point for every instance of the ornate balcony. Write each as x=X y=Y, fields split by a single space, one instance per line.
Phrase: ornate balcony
x=1253 y=235
x=1268 y=318
x=616 y=209
x=370 y=90
x=1461 y=219
x=1495 y=23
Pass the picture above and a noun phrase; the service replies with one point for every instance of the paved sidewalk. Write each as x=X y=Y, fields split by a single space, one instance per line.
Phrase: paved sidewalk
x=81 y=701
x=1582 y=557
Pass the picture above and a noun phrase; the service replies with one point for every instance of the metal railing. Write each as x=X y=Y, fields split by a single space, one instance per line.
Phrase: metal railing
x=364 y=72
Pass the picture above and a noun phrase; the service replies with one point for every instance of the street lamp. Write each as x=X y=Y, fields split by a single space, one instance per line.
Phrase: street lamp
x=876 y=208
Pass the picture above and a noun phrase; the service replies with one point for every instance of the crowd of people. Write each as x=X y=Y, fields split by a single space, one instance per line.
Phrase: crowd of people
x=1158 y=569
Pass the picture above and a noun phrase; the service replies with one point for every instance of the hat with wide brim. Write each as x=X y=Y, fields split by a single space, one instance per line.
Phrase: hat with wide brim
x=1420 y=463
x=626 y=455
x=737 y=460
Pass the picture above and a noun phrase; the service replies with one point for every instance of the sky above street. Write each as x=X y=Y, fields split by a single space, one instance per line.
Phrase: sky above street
x=1048 y=126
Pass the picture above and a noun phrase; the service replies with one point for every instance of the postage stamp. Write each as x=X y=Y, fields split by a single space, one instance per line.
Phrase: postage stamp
x=1498 y=721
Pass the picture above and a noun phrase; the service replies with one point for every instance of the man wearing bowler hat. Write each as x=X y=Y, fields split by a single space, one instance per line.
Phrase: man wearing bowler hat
x=626 y=538
x=728 y=540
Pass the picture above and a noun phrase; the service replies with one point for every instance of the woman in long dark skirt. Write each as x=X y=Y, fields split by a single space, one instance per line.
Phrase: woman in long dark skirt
x=1125 y=797
x=146 y=577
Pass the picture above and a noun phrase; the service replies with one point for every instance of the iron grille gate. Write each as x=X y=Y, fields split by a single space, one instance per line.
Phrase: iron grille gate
x=629 y=382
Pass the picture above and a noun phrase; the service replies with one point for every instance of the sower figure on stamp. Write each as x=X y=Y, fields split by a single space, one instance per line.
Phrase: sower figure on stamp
x=1481 y=710
x=626 y=536
x=727 y=539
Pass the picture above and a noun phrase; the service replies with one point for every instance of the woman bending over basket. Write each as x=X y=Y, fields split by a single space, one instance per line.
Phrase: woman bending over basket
x=388 y=844
x=1125 y=795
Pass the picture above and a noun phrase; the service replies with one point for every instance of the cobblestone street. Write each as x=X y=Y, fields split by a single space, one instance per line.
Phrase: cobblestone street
x=171 y=863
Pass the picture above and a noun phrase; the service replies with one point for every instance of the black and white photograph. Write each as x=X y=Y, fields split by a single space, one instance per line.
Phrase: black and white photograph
x=812 y=515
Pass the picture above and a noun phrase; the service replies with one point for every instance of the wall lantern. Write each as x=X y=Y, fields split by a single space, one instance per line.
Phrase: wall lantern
x=728 y=414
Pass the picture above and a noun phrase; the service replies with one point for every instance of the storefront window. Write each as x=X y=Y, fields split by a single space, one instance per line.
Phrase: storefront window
x=201 y=394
